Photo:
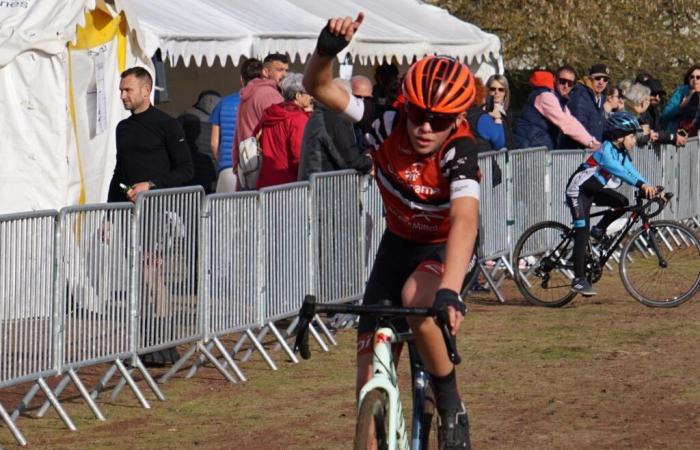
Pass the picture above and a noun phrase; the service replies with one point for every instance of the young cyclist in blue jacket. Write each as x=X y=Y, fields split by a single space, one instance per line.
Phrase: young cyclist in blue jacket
x=595 y=181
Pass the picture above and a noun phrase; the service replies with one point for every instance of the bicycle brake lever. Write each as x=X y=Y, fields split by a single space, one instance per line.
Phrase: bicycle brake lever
x=306 y=315
x=443 y=320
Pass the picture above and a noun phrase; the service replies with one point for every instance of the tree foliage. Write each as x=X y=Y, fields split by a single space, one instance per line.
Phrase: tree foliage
x=659 y=36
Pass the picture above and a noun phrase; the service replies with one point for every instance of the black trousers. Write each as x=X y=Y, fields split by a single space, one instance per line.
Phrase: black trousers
x=581 y=213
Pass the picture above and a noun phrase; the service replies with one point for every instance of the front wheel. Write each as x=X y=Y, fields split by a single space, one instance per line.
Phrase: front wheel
x=371 y=431
x=660 y=266
x=543 y=264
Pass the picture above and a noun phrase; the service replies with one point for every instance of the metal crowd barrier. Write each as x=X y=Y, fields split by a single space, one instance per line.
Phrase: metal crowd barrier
x=92 y=298
x=113 y=282
x=27 y=317
x=494 y=240
x=529 y=188
x=373 y=221
x=564 y=163
x=232 y=297
x=336 y=226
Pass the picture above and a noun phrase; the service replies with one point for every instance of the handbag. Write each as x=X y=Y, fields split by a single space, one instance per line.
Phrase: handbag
x=250 y=159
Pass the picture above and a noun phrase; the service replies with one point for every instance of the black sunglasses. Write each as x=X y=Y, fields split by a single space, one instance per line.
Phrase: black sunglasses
x=438 y=122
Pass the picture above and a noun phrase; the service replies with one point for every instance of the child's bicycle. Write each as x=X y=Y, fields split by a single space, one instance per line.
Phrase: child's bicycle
x=380 y=422
x=659 y=262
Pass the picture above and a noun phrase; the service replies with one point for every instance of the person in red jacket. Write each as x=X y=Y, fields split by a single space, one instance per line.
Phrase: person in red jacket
x=281 y=129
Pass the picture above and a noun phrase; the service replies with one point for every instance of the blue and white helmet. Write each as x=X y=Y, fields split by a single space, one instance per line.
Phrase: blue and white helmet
x=620 y=124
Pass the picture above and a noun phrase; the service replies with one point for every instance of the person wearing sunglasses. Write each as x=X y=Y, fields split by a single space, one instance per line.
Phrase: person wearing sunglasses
x=680 y=98
x=586 y=103
x=494 y=124
x=613 y=101
x=544 y=118
x=428 y=176
x=566 y=78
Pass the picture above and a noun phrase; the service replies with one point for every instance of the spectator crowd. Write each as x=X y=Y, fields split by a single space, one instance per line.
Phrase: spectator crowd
x=297 y=137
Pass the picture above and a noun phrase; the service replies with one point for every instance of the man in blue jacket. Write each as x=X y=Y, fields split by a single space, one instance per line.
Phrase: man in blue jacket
x=586 y=103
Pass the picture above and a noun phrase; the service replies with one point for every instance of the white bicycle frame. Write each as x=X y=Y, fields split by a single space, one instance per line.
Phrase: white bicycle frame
x=384 y=378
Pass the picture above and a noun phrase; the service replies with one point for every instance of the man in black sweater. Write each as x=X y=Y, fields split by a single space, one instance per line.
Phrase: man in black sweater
x=151 y=147
x=330 y=143
x=152 y=153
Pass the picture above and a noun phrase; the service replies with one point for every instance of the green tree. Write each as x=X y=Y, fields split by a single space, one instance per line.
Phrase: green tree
x=659 y=36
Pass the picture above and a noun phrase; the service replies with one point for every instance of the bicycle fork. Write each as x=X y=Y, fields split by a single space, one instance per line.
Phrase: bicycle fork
x=384 y=379
x=650 y=235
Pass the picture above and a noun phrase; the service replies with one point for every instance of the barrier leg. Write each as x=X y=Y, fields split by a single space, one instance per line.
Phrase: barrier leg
x=288 y=332
x=325 y=330
x=283 y=342
x=84 y=393
x=55 y=403
x=260 y=336
x=491 y=283
x=239 y=344
x=316 y=336
x=261 y=349
x=228 y=359
x=149 y=379
x=58 y=391
x=13 y=428
x=119 y=386
x=24 y=403
x=178 y=364
x=199 y=361
x=132 y=384
x=103 y=381
x=216 y=363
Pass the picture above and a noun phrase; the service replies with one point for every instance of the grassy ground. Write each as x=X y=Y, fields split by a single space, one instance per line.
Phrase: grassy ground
x=603 y=373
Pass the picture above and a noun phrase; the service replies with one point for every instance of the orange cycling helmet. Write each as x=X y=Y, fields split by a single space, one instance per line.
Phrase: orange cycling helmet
x=440 y=84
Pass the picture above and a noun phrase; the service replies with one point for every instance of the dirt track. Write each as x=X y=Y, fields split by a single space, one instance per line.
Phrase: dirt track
x=606 y=373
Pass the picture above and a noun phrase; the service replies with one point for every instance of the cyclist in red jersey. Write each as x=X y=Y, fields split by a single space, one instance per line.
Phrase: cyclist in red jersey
x=426 y=167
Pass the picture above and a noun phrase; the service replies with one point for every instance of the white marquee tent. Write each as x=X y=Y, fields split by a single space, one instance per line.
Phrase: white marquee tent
x=60 y=103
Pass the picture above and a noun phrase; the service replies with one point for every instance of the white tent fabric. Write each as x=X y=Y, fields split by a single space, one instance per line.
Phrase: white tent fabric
x=54 y=150
x=24 y=26
x=60 y=107
x=206 y=29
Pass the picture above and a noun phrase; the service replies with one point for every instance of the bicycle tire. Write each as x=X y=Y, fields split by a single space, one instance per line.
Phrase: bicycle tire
x=532 y=277
x=371 y=430
x=429 y=429
x=645 y=279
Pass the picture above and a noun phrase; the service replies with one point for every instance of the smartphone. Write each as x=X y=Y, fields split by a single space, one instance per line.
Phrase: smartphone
x=489 y=105
x=682 y=132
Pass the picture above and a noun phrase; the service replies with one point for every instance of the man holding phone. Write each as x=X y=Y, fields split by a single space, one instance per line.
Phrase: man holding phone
x=652 y=116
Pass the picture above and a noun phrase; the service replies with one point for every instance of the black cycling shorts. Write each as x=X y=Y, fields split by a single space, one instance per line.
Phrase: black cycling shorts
x=396 y=260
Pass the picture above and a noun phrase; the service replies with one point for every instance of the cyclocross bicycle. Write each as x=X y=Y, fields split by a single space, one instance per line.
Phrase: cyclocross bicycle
x=380 y=421
x=659 y=262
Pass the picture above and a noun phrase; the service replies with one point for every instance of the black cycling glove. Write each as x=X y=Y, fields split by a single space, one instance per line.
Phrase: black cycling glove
x=328 y=44
x=448 y=297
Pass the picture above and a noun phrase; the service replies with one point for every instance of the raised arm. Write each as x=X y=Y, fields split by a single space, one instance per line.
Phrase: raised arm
x=318 y=76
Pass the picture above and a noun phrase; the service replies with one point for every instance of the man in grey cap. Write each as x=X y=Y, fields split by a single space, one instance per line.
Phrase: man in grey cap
x=586 y=103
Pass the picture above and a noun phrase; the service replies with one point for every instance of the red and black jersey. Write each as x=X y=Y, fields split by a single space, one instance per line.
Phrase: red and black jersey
x=416 y=189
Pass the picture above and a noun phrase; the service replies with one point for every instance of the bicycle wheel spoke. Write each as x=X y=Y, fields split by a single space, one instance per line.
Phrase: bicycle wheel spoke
x=669 y=278
x=542 y=256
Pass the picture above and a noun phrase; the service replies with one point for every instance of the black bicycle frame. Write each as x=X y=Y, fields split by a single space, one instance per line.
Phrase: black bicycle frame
x=638 y=212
